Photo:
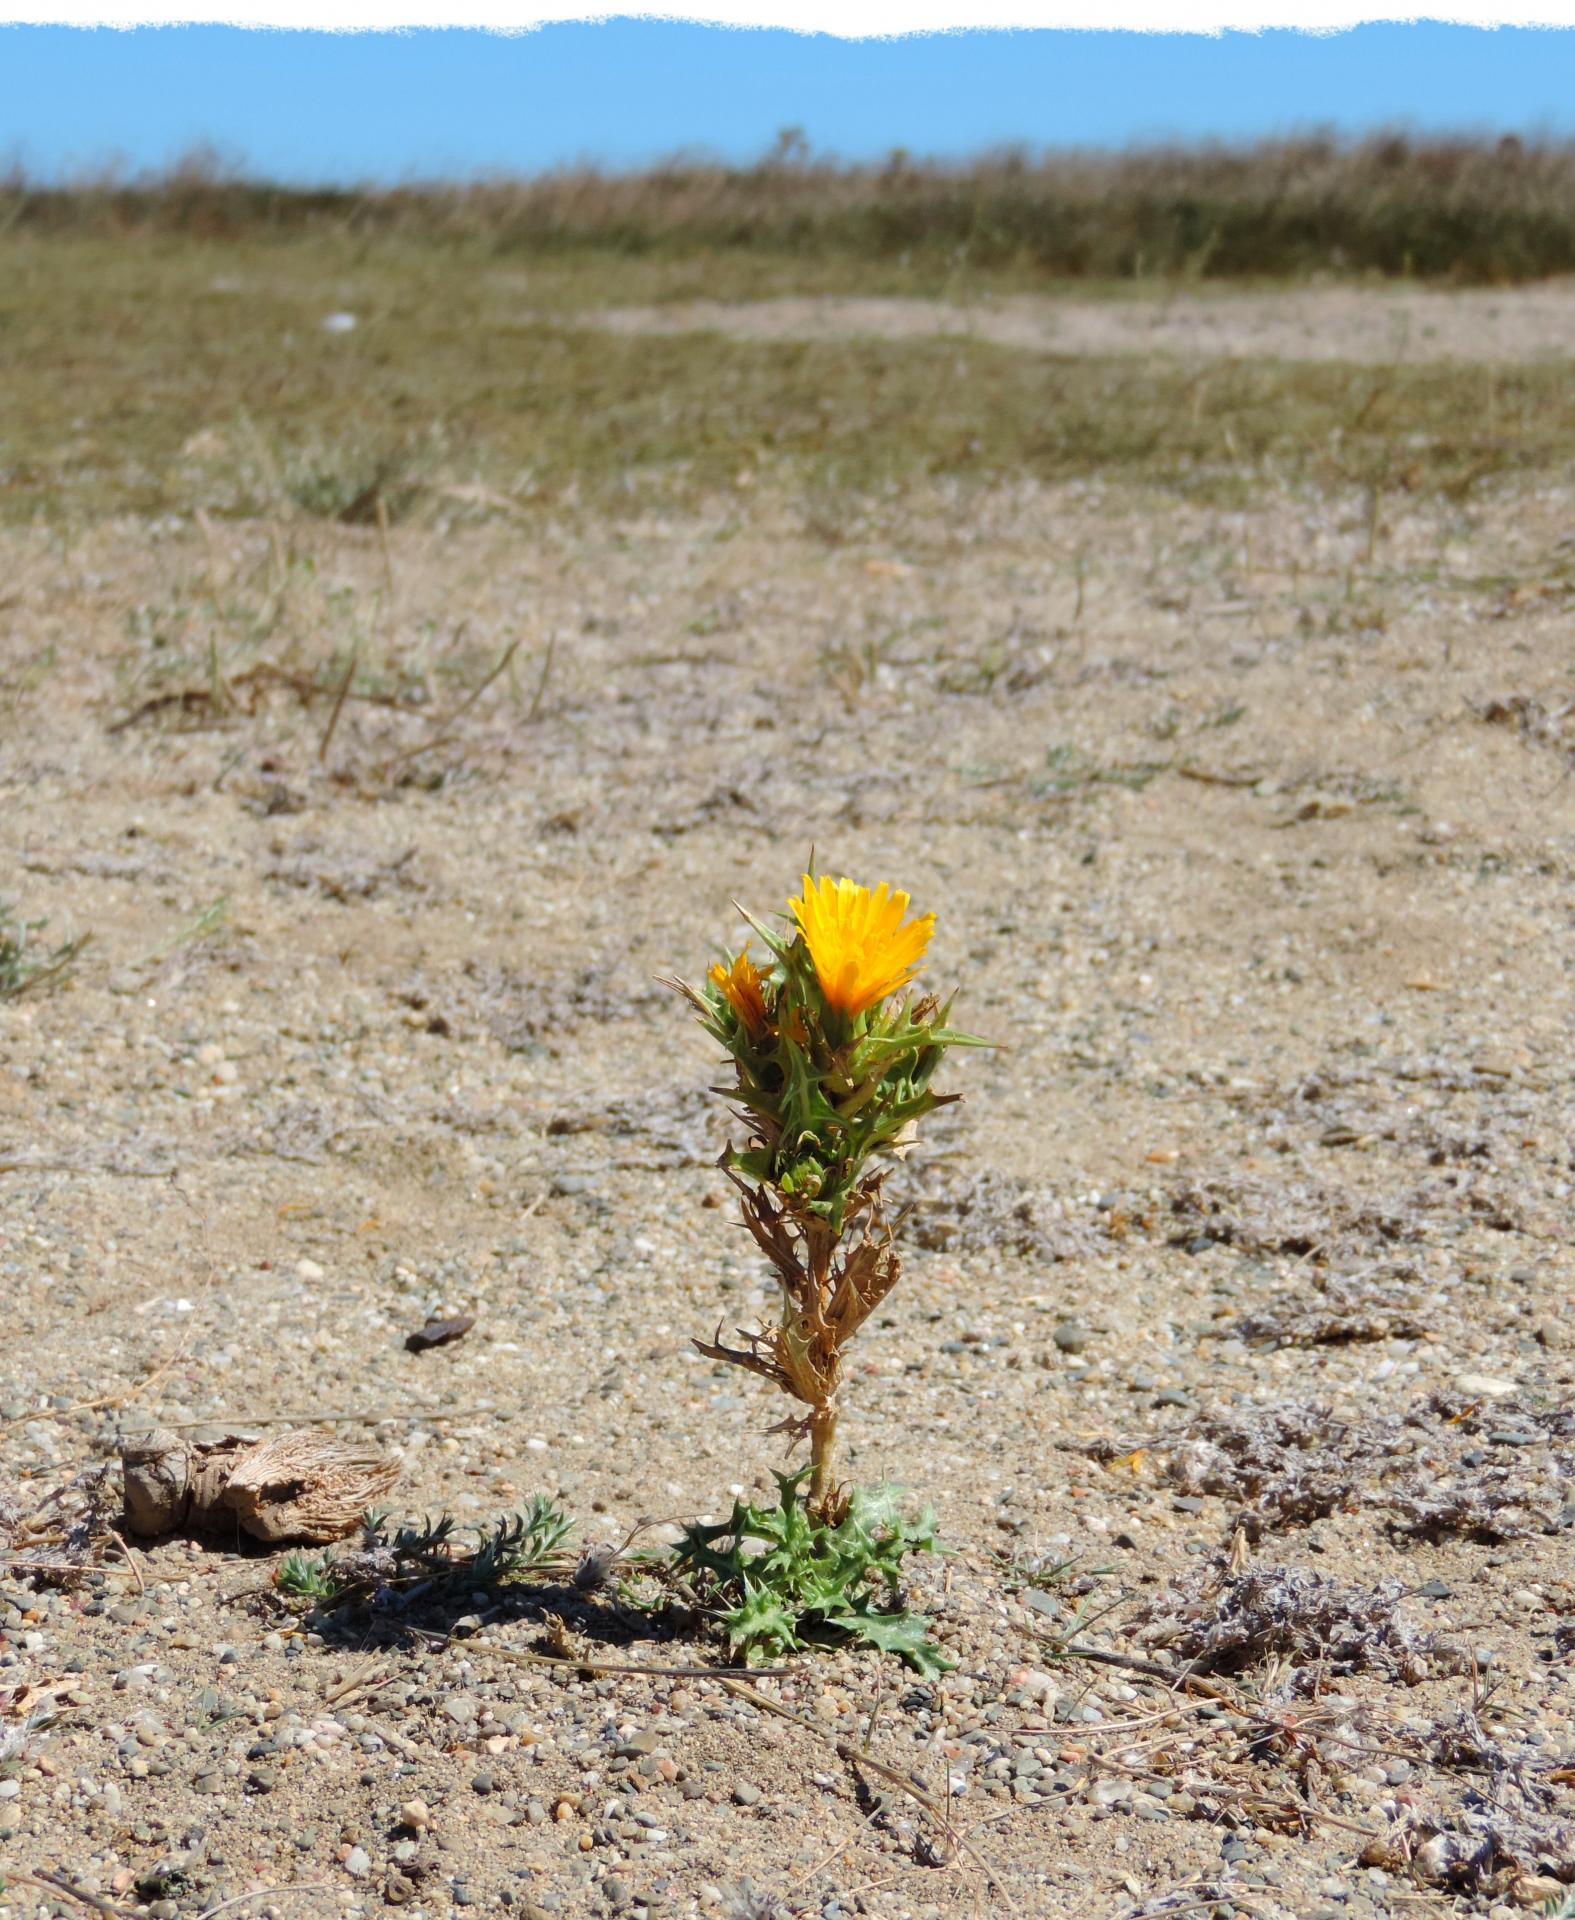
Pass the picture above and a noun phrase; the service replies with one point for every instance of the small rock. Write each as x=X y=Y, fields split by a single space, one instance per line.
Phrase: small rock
x=1071 y=1336
x=746 y=1793
x=1485 y=1385
x=358 y=1863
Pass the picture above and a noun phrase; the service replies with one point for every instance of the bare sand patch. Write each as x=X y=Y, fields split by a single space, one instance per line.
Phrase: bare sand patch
x=1367 y=326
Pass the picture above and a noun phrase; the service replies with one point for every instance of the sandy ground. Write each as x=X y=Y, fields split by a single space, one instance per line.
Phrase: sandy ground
x=1252 y=847
x=1377 y=325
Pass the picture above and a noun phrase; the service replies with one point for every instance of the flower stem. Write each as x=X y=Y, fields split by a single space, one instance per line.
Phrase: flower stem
x=822 y=1454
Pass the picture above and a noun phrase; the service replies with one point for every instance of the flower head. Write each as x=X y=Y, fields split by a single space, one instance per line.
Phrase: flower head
x=862 y=947
x=740 y=986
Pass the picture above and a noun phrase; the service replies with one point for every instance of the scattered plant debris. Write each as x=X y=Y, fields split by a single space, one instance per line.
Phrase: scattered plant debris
x=992 y=1210
x=1295 y=1462
x=1534 y=720
x=429 y=1562
x=1291 y=1463
x=1344 y=1311
x=1305 y=1220
x=1323 y=1629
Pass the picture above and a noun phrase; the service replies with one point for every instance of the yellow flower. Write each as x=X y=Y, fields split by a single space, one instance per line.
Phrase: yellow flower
x=858 y=940
x=740 y=986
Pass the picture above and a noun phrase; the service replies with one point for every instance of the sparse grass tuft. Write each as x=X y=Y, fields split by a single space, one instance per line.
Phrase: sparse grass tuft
x=25 y=967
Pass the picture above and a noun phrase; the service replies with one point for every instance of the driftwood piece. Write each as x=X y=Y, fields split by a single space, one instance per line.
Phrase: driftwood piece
x=290 y=1487
x=298 y=1486
x=438 y=1333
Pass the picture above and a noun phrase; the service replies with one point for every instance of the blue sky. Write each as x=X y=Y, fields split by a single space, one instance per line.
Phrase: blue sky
x=320 y=107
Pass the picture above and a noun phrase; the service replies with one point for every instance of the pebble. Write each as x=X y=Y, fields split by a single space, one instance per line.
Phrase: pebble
x=358 y=1863
x=746 y=1793
x=1486 y=1385
x=1071 y=1336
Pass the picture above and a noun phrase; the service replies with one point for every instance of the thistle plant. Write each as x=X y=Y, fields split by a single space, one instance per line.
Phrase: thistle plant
x=832 y=1053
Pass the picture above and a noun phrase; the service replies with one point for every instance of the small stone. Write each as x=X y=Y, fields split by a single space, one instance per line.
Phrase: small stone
x=484 y=1782
x=1071 y=1336
x=1039 y=1687
x=416 y=1815
x=358 y=1863
x=1484 y=1385
x=746 y=1793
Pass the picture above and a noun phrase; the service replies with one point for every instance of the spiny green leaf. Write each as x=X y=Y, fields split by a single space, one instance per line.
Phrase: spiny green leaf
x=777 y=1575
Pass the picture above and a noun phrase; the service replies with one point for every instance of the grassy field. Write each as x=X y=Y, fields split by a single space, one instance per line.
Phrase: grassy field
x=165 y=372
